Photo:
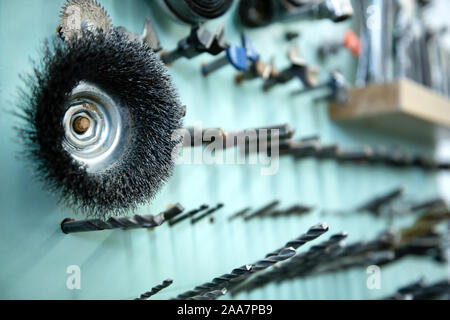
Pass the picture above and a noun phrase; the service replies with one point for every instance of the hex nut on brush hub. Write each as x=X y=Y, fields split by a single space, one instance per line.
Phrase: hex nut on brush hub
x=96 y=128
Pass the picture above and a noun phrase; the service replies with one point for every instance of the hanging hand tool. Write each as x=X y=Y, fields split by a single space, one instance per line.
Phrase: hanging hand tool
x=124 y=223
x=199 y=41
x=155 y=290
x=148 y=36
x=197 y=11
x=351 y=43
x=91 y=108
x=337 y=85
x=299 y=69
x=207 y=213
x=258 y=13
x=187 y=215
x=239 y=57
x=258 y=69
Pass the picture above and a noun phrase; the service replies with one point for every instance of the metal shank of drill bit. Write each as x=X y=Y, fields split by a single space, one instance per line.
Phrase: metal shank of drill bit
x=125 y=223
x=155 y=290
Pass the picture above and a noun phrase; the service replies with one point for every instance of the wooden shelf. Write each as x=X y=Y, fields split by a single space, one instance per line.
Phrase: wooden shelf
x=403 y=107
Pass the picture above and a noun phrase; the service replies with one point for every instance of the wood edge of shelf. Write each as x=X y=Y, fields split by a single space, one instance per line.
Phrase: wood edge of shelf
x=400 y=97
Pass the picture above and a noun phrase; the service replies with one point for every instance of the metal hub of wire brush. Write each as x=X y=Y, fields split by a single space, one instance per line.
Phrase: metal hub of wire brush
x=96 y=128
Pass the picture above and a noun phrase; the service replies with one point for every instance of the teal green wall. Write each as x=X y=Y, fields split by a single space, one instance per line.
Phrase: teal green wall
x=34 y=254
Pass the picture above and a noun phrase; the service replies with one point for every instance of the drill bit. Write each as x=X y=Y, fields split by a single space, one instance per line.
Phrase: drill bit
x=263 y=210
x=240 y=213
x=295 y=209
x=155 y=290
x=375 y=205
x=213 y=295
x=207 y=213
x=239 y=274
x=313 y=233
x=285 y=270
x=124 y=223
x=187 y=215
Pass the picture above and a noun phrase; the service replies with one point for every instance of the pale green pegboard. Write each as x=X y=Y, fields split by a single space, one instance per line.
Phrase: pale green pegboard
x=121 y=265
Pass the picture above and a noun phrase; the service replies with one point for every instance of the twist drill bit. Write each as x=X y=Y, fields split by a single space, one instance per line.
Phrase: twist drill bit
x=239 y=274
x=285 y=271
x=213 y=295
x=218 y=282
x=263 y=210
x=240 y=213
x=428 y=205
x=207 y=213
x=125 y=223
x=187 y=215
x=375 y=205
x=155 y=290
x=313 y=233
x=295 y=209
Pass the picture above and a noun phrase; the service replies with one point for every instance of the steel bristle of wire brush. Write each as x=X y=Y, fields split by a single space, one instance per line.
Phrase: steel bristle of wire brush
x=155 y=290
x=143 y=99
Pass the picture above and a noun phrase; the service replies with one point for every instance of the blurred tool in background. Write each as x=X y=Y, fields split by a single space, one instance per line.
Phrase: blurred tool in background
x=399 y=40
x=259 y=13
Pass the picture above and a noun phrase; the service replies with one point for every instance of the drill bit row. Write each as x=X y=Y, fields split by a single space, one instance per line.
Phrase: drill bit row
x=155 y=290
x=192 y=214
x=196 y=136
x=333 y=255
x=125 y=223
x=420 y=290
x=240 y=274
x=311 y=147
x=270 y=210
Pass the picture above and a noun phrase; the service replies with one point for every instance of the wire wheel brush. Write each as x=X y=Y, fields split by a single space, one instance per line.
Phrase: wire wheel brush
x=99 y=115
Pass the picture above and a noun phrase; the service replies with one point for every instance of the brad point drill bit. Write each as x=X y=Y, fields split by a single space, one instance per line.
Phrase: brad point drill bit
x=188 y=215
x=313 y=233
x=207 y=213
x=155 y=290
x=125 y=223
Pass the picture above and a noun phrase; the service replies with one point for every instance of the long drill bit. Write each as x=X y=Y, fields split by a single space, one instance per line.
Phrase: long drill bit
x=260 y=265
x=242 y=273
x=155 y=290
x=213 y=295
x=313 y=233
x=285 y=270
x=124 y=223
